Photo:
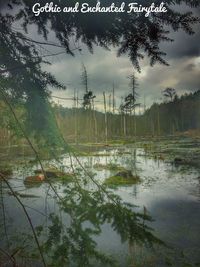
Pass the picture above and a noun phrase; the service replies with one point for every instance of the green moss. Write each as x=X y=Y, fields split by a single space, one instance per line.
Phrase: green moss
x=123 y=178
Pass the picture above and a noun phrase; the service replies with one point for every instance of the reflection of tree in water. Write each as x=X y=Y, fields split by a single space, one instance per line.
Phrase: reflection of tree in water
x=88 y=212
x=68 y=241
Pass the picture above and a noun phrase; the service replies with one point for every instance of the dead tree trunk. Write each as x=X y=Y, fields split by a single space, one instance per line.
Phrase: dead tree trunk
x=105 y=118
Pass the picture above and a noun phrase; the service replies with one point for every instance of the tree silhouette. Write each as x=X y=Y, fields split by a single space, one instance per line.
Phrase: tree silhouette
x=170 y=93
x=88 y=96
x=130 y=104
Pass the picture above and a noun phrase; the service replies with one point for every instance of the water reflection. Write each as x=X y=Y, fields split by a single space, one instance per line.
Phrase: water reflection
x=88 y=227
x=67 y=239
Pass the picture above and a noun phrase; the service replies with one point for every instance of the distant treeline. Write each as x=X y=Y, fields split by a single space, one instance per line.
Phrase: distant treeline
x=177 y=115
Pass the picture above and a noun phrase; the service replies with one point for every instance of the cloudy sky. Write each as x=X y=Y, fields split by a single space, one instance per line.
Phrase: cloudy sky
x=104 y=68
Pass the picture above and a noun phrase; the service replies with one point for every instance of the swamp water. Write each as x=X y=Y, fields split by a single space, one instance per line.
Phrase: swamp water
x=169 y=194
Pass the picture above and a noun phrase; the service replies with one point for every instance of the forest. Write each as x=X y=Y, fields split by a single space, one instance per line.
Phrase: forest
x=171 y=117
x=174 y=116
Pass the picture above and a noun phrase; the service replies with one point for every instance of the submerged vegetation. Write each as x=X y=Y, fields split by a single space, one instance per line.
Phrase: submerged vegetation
x=69 y=228
x=73 y=241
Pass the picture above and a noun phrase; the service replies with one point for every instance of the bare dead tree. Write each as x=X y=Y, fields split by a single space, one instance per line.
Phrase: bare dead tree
x=105 y=118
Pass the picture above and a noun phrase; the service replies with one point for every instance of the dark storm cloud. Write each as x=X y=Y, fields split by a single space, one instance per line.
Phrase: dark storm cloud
x=4 y=4
x=182 y=74
x=189 y=67
x=183 y=45
x=104 y=68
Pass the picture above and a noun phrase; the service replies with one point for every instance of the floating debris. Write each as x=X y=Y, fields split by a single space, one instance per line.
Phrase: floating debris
x=6 y=171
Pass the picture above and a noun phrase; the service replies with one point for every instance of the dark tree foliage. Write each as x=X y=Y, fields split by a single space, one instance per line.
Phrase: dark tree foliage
x=179 y=115
x=130 y=100
x=169 y=93
x=88 y=96
x=22 y=77
x=87 y=99
x=20 y=56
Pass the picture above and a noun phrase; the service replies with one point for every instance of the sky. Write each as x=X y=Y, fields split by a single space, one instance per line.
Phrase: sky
x=105 y=68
